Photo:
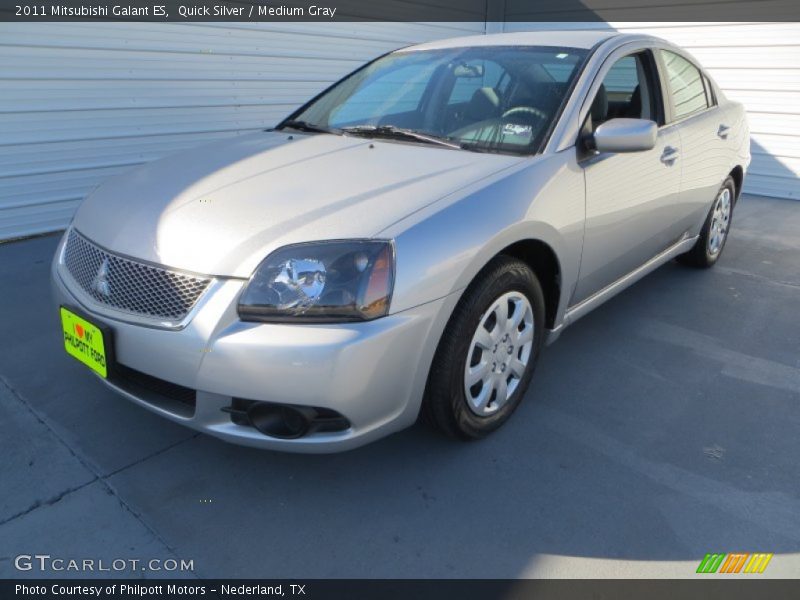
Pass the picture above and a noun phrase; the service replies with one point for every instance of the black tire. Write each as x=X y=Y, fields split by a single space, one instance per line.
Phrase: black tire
x=445 y=405
x=701 y=255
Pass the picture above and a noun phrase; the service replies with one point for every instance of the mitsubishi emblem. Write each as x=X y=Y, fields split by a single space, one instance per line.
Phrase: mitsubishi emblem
x=100 y=282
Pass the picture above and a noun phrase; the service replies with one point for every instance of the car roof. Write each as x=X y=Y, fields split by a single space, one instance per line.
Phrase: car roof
x=561 y=38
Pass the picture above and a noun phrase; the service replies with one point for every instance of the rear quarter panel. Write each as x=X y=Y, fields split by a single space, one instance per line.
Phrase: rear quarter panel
x=739 y=138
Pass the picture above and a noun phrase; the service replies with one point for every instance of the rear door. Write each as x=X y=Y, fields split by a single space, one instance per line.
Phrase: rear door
x=705 y=130
x=631 y=198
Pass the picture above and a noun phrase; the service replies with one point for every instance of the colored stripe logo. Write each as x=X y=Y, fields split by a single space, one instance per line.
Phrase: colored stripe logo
x=737 y=562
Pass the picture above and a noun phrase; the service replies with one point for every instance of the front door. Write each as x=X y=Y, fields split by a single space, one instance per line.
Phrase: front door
x=631 y=198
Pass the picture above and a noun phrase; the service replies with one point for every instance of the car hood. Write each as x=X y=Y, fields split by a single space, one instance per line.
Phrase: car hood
x=220 y=209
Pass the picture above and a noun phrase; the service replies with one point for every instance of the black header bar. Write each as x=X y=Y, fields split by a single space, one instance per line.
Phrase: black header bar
x=399 y=10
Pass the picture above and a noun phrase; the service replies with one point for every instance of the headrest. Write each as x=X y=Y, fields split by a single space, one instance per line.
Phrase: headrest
x=635 y=105
x=484 y=104
x=599 y=108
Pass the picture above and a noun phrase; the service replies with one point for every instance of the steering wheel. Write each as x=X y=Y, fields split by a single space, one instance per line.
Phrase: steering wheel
x=527 y=111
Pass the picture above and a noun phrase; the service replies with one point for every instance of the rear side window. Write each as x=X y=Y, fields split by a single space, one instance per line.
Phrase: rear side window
x=686 y=85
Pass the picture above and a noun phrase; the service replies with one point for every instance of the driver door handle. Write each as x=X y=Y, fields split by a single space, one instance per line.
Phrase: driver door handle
x=670 y=155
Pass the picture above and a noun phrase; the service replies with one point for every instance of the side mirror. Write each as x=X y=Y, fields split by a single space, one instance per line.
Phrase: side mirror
x=625 y=135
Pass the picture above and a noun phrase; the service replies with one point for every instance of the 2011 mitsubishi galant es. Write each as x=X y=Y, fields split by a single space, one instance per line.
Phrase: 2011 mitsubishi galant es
x=405 y=243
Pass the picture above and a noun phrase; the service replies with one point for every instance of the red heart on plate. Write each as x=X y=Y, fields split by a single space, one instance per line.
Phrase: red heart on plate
x=79 y=330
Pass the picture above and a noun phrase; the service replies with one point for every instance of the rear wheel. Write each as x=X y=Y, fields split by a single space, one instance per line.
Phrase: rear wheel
x=714 y=233
x=487 y=354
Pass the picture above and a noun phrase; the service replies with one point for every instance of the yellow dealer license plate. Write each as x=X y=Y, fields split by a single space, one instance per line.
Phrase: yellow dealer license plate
x=84 y=341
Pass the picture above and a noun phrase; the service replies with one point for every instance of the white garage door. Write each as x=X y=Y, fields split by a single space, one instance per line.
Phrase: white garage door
x=754 y=63
x=83 y=101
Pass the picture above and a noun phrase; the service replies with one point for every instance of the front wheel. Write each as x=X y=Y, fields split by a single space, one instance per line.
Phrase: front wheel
x=486 y=357
x=714 y=233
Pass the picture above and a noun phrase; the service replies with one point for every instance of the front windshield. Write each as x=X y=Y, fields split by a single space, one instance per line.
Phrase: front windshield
x=490 y=98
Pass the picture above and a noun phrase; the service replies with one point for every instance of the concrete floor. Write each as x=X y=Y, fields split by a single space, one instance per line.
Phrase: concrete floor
x=660 y=427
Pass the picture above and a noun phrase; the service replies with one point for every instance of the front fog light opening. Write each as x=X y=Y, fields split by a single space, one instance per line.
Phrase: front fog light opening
x=280 y=421
x=285 y=421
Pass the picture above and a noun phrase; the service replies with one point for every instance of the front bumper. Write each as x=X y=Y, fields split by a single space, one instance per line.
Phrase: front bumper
x=372 y=373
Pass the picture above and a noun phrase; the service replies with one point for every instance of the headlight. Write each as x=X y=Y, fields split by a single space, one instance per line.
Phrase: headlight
x=347 y=280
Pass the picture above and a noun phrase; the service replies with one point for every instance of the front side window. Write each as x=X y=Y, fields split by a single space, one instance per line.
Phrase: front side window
x=627 y=91
x=686 y=85
x=489 y=98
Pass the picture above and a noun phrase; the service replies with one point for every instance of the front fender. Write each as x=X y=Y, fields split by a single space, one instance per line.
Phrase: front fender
x=440 y=250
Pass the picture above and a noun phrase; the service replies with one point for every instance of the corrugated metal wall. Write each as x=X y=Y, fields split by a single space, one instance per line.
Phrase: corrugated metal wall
x=757 y=64
x=80 y=102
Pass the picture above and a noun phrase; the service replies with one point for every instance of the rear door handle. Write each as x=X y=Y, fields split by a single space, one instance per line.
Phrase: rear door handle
x=670 y=155
x=723 y=131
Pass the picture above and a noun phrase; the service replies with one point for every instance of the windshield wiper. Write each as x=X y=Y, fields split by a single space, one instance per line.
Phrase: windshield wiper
x=311 y=127
x=491 y=148
x=399 y=133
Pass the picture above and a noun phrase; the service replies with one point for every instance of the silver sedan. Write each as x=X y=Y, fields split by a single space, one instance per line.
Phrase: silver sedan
x=406 y=243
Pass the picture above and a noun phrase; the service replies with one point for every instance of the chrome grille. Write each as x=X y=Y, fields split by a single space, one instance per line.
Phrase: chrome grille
x=129 y=285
